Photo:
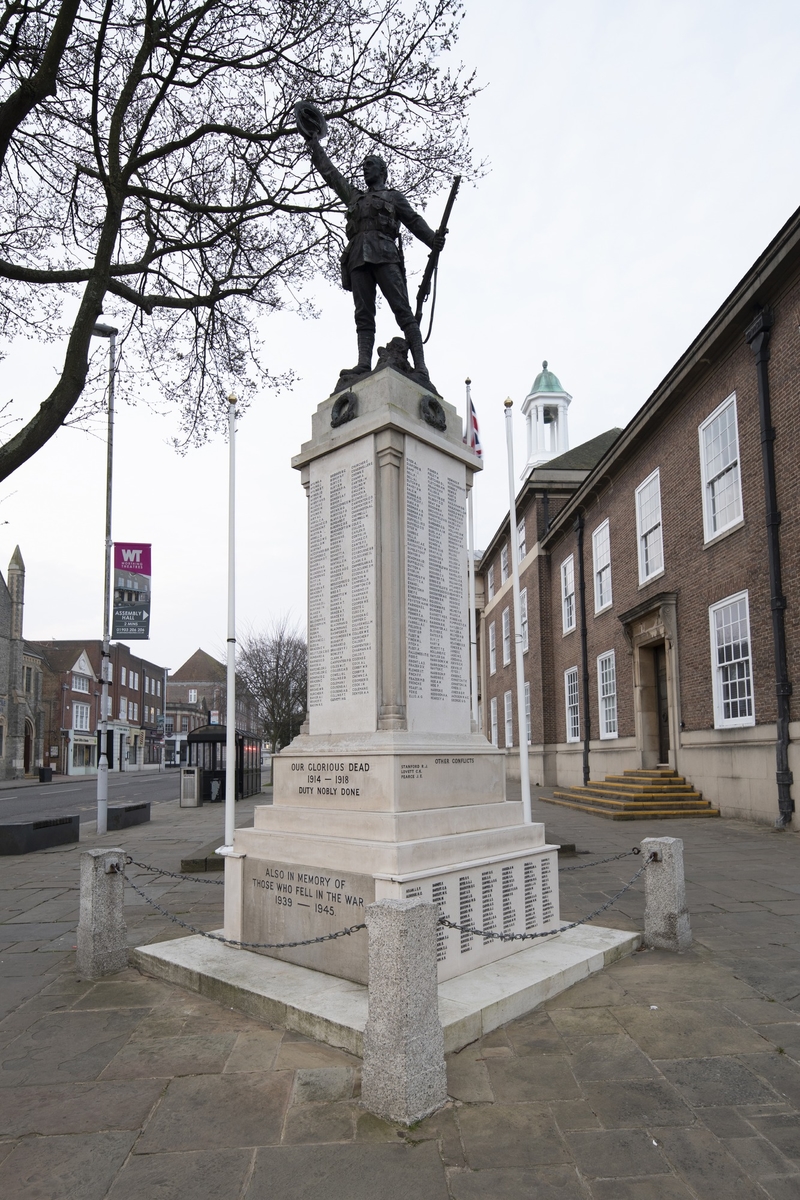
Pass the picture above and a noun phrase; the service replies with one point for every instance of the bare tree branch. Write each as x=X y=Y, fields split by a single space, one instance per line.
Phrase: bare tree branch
x=274 y=667
x=152 y=167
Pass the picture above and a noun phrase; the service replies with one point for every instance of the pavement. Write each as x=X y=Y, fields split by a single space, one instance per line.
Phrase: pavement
x=663 y=1078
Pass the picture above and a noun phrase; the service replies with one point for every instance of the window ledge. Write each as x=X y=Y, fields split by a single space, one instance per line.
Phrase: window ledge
x=598 y=612
x=746 y=724
x=651 y=578
x=719 y=537
x=567 y=632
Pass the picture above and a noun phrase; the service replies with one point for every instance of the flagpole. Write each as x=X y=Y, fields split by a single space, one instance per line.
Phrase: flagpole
x=524 y=766
x=230 y=715
x=473 y=629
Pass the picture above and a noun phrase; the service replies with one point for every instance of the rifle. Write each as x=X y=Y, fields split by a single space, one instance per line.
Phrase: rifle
x=433 y=258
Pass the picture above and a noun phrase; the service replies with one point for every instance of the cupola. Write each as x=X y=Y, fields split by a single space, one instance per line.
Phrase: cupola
x=545 y=409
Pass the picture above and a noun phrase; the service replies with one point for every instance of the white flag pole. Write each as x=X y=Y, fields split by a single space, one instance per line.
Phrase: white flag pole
x=473 y=629
x=524 y=766
x=230 y=715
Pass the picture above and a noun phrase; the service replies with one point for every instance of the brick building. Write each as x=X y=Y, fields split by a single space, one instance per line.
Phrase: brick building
x=663 y=584
x=72 y=692
x=21 y=710
x=196 y=695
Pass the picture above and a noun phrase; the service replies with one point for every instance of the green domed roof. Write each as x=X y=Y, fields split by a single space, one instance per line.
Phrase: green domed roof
x=546 y=381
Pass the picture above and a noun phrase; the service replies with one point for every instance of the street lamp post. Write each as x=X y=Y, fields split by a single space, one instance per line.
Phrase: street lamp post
x=106 y=331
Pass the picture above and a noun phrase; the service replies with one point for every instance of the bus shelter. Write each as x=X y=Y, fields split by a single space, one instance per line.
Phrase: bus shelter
x=207 y=752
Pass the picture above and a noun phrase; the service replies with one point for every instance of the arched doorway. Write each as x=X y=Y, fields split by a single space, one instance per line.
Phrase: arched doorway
x=28 y=752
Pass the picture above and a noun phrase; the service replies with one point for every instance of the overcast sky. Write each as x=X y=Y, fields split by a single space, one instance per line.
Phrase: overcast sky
x=642 y=155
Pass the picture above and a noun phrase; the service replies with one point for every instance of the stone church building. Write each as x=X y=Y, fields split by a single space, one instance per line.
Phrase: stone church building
x=21 y=708
x=659 y=570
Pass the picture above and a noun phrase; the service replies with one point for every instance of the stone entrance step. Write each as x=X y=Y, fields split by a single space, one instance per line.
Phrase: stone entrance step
x=334 y=1010
x=636 y=796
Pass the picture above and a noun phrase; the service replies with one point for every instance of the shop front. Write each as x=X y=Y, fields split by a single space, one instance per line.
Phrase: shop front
x=82 y=753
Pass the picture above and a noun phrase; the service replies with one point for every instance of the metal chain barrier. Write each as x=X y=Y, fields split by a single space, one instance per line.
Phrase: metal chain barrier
x=220 y=882
x=215 y=937
x=528 y=937
x=330 y=937
x=599 y=861
x=172 y=874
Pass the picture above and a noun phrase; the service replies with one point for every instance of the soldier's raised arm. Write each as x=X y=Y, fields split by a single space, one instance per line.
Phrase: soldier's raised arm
x=328 y=171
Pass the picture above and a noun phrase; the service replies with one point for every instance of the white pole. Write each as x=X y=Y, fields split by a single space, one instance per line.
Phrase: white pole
x=110 y=332
x=473 y=631
x=524 y=767
x=230 y=717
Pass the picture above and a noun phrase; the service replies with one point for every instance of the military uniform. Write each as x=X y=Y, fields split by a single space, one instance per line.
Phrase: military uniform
x=372 y=257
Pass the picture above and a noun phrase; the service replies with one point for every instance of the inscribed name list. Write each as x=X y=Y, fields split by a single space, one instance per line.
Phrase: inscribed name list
x=513 y=895
x=436 y=591
x=341 y=591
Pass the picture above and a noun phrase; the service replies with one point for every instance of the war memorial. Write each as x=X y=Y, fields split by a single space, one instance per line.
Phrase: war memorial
x=389 y=802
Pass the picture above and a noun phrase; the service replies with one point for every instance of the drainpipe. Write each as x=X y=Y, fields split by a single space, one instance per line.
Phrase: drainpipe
x=757 y=336
x=578 y=528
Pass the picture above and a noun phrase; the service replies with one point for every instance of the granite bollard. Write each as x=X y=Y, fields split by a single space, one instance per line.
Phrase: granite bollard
x=102 y=932
x=404 y=1077
x=666 y=919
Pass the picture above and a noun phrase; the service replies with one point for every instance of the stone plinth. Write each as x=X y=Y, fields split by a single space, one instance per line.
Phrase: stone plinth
x=389 y=794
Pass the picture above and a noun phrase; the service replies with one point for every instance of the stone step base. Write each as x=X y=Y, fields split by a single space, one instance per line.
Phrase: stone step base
x=362 y=855
x=388 y=826
x=636 y=795
x=649 y=788
x=633 y=812
x=650 y=773
x=602 y=791
x=334 y=1010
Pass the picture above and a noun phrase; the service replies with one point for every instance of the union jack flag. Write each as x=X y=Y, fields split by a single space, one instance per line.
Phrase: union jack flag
x=472 y=436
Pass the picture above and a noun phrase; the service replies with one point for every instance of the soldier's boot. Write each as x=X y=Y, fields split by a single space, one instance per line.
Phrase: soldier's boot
x=366 y=341
x=414 y=339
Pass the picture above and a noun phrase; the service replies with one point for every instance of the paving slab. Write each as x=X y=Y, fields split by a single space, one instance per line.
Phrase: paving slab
x=783 y=1131
x=528 y=1079
x=616 y=1153
x=205 y=1112
x=79 y=1167
x=543 y=1183
x=637 y=1103
x=702 y=1161
x=357 y=1172
x=510 y=1135
x=709 y=1082
x=201 y=1174
x=62 y=1046
x=687 y=1030
x=647 y=1187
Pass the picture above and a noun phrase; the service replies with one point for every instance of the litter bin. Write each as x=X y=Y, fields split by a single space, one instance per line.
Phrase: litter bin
x=45 y=774
x=190 y=789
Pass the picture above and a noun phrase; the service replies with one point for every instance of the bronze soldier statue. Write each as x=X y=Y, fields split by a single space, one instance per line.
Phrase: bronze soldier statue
x=373 y=256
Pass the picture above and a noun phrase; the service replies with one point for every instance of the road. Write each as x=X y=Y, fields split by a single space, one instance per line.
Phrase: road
x=80 y=795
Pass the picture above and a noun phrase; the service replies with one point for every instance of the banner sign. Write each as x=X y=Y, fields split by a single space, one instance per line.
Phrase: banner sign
x=131 y=591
